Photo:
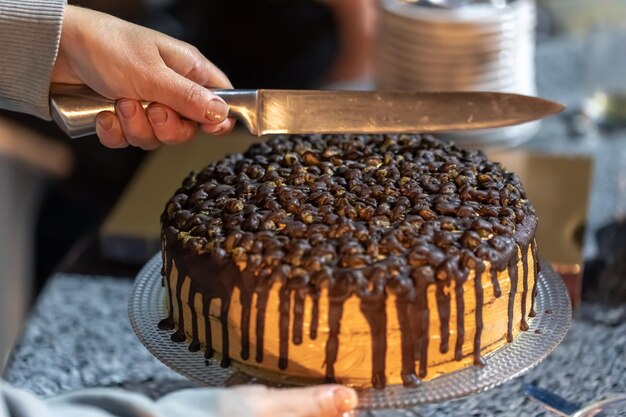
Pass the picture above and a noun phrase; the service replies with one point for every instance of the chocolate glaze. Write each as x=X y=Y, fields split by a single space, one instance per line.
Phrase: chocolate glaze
x=194 y=346
x=523 y=322
x=373 y=307
x=168 y=322
x=513 y=275
x=409 y=378
x=460 y=319
x=298 y=317
x=443 y=307
x=208 y=352
x=533 y=246
x=478 y=288
x=315 y=313
x=332 y=344
x=260 y=324
x=363 y=216
x=283 y=324
x=497 y=292
x=419 y=310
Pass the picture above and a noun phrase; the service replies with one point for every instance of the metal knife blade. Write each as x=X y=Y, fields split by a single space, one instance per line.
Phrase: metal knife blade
x=551 y=401
x=74 y=108
x=288 y=111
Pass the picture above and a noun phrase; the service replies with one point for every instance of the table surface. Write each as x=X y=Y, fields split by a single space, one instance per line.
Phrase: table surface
x=79 y=334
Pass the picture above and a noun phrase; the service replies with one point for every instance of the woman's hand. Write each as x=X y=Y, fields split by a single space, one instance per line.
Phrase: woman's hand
x=260 y=401
x=130 y=63
x=317 y=401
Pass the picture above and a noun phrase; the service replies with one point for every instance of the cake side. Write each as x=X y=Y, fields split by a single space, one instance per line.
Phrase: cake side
x=390 y=227
x=353 y=365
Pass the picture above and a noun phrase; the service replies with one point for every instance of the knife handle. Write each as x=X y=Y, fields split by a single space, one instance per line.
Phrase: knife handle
x=74 y=107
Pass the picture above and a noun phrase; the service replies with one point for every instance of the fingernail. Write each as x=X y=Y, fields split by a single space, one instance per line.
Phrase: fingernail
x=127 y=108
x=157 y=116
x=105 y=121
x=345 y=399
x=217 y=110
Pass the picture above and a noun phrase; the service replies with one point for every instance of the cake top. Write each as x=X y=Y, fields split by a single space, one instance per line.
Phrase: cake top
x=381 y=208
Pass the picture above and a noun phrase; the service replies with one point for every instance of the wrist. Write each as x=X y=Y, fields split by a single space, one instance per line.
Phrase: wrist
x=62 y=71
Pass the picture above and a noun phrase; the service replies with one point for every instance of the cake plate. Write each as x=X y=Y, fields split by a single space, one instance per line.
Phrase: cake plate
x=146 y=308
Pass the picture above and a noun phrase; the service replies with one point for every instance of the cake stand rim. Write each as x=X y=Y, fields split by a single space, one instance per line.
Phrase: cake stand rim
x=146 y=308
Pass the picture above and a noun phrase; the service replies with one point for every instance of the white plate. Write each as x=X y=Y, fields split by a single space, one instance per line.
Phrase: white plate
x=476 y=14
x=456 y=29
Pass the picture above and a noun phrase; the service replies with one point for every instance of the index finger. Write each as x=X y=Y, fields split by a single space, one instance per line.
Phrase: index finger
x=189 y=62
x=186 y=97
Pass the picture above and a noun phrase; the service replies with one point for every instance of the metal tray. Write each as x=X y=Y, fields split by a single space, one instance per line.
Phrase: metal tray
x=146 y=308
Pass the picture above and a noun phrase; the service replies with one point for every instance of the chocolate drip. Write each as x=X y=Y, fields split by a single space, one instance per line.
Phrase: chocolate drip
x=460 y=319
x=533 y=294
x=422 y=333
x=245 y=298
x=376 y=315
x=332 y=344
x=206 y=306
x=283 y=325
x=194 y=346
x=225 y=363
x=298 y=317
x=315 y=313
x=419 y=318
x=168 y=322
x=513 y=276
x=443 y=307
x=409 y=377
x=497 y=292
x=261 y=305
x=478 y=288
x=524 y=323
x=179 y=335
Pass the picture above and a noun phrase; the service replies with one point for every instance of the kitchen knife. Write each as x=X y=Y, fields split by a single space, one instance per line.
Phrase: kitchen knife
x=74 y=109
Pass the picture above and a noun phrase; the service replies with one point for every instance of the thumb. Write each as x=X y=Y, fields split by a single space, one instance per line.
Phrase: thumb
x=187 y=98
x=317 y=401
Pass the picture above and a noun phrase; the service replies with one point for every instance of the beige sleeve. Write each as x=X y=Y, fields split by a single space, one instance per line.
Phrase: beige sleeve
x=29 y=40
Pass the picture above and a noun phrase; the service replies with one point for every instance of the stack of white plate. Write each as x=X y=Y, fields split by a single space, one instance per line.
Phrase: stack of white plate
x=471 y=47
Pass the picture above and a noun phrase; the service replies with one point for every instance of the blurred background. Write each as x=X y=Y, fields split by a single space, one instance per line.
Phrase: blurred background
x=75 y=206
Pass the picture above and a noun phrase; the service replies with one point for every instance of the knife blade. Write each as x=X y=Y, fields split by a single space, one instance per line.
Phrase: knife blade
x=553 y=402
x=74 y=109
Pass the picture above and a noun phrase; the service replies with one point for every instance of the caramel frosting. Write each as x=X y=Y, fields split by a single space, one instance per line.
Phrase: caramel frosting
x=365 y=260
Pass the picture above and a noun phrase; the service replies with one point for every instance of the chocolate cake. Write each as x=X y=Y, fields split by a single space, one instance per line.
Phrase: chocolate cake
x=365 y=260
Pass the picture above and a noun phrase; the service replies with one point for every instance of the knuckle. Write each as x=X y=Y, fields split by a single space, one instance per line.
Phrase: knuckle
x=193 y=94
x=195 y=69
x=113 y=141
x=169 y=137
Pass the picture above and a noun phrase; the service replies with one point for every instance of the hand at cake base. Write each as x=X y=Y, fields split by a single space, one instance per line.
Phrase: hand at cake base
x=317 y=401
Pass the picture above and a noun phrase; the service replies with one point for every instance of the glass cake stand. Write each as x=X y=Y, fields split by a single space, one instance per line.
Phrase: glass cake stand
x=146 y=308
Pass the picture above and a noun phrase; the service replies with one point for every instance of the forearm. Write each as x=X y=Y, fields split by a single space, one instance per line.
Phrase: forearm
x=246 y=401
x=29 y=40
x=114 y=403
